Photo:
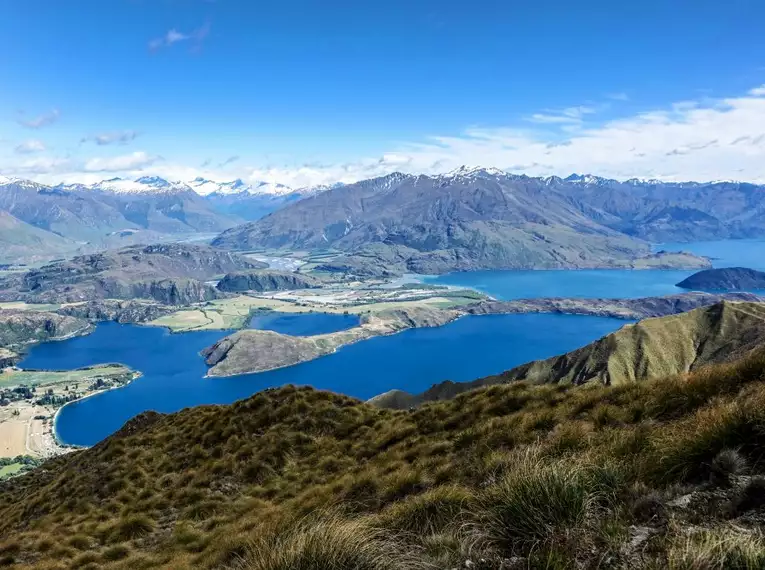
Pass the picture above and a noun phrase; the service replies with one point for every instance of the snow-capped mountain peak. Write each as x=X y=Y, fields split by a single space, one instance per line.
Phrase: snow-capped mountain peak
x=465 y=171
x=206 y=187
x=145 y=184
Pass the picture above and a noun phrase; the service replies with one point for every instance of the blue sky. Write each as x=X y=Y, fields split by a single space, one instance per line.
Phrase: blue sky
x=305 y=91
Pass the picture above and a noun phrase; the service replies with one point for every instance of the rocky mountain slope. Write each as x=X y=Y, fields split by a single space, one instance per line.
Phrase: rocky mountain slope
x=725 y=279
x=102 y=216
x=266 y=280
x=18 y=329
x=468 y=219
x=169 y=273
x=661 y=474
x=23 y=242
x=652 y=348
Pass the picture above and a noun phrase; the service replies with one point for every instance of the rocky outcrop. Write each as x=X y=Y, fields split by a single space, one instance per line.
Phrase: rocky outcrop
x=116 y=310
x=725 y=279
x=19 y=328
x=250 y=351
x=173 y=274
x=652 y=348
x=266 y=280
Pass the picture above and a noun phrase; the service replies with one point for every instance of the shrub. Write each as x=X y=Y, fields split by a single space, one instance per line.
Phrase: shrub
x=538 y=500
x=328 y=542
x=130 y=527
x=429 y=513
x=116 y=552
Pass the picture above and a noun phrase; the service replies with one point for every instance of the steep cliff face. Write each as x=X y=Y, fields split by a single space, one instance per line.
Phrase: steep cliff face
x=266 y=280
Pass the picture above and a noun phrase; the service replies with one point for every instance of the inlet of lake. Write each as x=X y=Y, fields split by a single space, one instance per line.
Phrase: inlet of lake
x=469 y=348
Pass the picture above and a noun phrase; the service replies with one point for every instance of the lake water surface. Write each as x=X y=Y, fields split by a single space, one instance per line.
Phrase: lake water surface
x=606 y=283
x=303 y=324
x=413 y=360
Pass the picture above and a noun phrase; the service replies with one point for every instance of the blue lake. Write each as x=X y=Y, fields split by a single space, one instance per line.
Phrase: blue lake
x=413 y=360
x=607 y=283
x=302 y=324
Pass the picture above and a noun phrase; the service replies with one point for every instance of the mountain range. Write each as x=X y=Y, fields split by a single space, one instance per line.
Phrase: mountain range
x=467 y=219
x=476 y=218
x=40 y=221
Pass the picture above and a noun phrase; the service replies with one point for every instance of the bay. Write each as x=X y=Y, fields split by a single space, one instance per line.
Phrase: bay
x=173 y=371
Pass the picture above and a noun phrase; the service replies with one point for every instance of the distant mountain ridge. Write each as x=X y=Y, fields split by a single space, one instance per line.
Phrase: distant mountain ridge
x=470 y=218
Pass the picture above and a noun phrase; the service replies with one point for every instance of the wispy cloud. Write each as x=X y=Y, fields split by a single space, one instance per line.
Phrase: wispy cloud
x=688 y=140
x=567 y=116
x=173 y=36
x=29 y=147
x=40 y=121
x=229 y=160
x=621 y=96
x=116 y=137
x=702 y=139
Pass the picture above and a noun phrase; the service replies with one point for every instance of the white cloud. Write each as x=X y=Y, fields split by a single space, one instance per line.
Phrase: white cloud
x=40 y=121
x=688 y=140
x=758 y=91
x=29 y=147
x=43 y=165
x=173 y=36
x=135 y=161
x=620 y=96
x=115 y=137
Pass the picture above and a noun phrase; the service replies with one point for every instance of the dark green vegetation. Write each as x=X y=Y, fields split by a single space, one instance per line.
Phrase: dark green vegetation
x=652 y=348
x=172 y=274
x=266 y=280
x=470 y=219
x=659 y=474
x=725 y=279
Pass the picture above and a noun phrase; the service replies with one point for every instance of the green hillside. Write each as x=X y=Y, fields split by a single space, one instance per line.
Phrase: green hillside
x=659 y=474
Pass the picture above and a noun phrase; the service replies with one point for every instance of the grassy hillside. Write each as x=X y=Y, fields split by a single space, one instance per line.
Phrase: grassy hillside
x=660 y=474
x=651 y=348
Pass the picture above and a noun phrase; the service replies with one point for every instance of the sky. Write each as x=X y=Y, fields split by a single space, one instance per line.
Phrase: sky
x=305 y=92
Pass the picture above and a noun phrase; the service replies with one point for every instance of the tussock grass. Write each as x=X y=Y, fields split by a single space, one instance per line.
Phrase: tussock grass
x=548 y=474
x=329 y=542
x=722 y=549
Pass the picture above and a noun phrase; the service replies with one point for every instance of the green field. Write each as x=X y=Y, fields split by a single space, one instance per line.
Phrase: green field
x=46 y=377
x=8 y=470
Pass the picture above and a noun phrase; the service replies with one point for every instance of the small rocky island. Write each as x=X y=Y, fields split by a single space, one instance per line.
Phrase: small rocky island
x=725 y=279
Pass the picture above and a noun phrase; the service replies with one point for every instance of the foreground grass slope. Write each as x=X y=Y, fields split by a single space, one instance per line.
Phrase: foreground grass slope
x=661 y=474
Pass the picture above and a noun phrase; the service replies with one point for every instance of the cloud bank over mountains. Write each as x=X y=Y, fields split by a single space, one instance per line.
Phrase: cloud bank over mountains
x=704 y=139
